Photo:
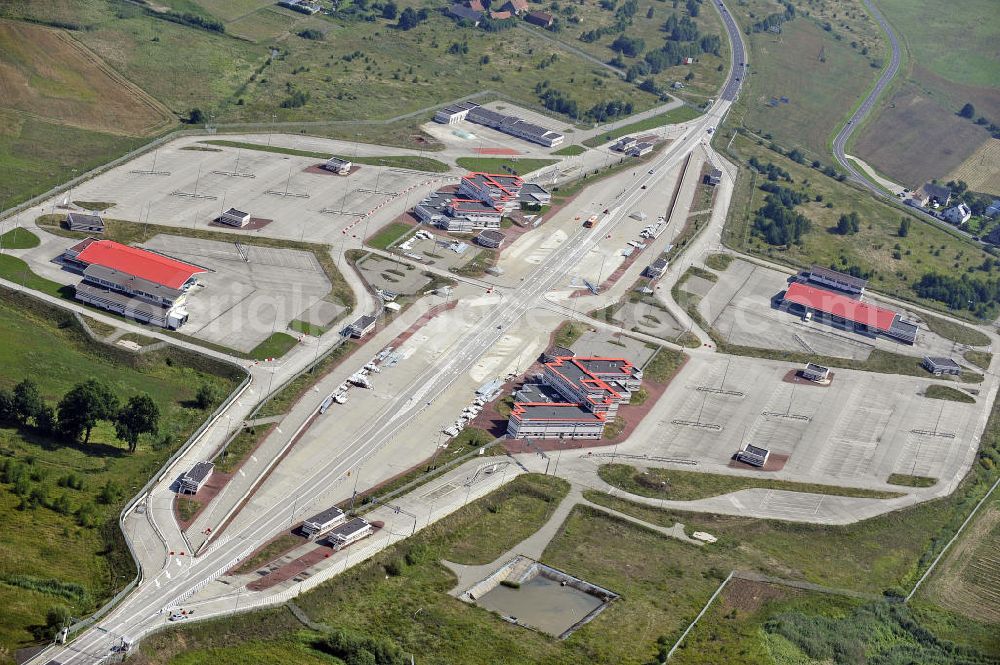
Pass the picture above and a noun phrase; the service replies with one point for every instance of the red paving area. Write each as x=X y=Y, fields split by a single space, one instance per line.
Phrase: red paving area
x=256 y=224
x=318 y=169
x=497 y=151
x=296 y=567
x=208 y=491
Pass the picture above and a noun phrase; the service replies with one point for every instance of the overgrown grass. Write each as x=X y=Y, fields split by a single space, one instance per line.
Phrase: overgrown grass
x=275 y=346
x=956 y=332
x=718 y=261
x=663 y=365
x=93 y=205
x=388 y=235
x=690 y=485
x=81 y=544
x=18 y=238
x=671 y=117
x=306 y=328
x=937 y=391
x=414 y=162
x=480 y=263
x=568 y=333
x=187 y=507
x=518 y=166
x=570 y=150
x=979 y=358
x=910 y=481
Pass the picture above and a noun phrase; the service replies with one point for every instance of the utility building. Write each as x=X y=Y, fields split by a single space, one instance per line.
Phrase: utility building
x=349 y=532
x=234 y=217
x=195 y=479
x=941 y=366
x=85 y=223
x=338 y=166
x=323 y=522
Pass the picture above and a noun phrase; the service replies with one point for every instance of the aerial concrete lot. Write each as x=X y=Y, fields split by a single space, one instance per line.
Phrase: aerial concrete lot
x=856 y=432
x=740 y=307
x=250 y=291
x=389 y=275
x=195 y=186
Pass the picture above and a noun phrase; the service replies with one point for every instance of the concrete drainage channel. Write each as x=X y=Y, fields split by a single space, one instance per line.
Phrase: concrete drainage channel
x=530 y=594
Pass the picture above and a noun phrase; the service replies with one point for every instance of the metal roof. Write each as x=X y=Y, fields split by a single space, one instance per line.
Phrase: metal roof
x=139 y=262
x=836 y=276
x=841 y=306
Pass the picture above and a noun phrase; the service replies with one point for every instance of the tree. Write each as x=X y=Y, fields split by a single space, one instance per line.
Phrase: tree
x=6 y=406
x=904 y=227
x=409 y=18
x=206 y=396
x=195 y=117
x=27 y=401
x=83 y=407
x=848 y=224
x=390 y=11
x=968 y=111
x=139 y=416
x=45 y=420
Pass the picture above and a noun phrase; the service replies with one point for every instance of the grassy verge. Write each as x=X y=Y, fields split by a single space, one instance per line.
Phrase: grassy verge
x=568 y=333
x=69 y=532
x=910 y=481
x=690 y=485
x=663 y=365
x=562 y=193
x=503 y=164
x=956 y=332
x=93 y=205
x=571 y=150
x=283 y=400
x=388 y=235
x=17 y=271
x=268 y=553
x=186 y=507
x=937 y=391
x=413 y=162
x=306 y=328
x=718 y=261
x=99 y=328
x=479 y=264
x=18 y=238
x=673 y=116
x=979 y=358
x=275 y=346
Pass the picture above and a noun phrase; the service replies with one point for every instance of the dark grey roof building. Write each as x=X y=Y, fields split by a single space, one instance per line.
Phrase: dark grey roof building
x=87 y=223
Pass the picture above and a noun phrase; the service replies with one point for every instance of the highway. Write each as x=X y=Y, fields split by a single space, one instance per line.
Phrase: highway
x=147 y=608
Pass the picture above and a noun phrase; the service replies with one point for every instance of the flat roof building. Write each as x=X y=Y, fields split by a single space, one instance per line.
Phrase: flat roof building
x=713 y=177
x=84 y=222
x=322 y=522
x=624 y=143
x=490 y=238
x=456 y=113
x=641 y=149
x=835 y=279
x=553 y=420
x=234 y=217
x=817 y=373
x=363 y=325
x=753 y=455
x=939 y=366
x=338 y=166
x=656 y=269
x=843 y=310
x=195 y=479
x=349 y=532
x=139 y=263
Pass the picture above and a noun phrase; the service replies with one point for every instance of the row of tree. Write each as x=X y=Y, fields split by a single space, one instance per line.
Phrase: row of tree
x=777 y=222
x=84 y=406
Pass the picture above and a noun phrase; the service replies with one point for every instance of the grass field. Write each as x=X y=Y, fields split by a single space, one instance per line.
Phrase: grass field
x=396 y=161
x=874 y=249
x=910 y=481
x=503 y=164
x=981 y=171
x=671 y=117
x=979 y=358
x=84 y=549
x=948 y=393
x=306 y=328
x=16 y=270
x=956 y=332
x=948 y=62
x=819 y=72
x=388 y=235
x=691 y=485
x=275 y=346
x=18 y=238
x=571 y=150
x=967 y=580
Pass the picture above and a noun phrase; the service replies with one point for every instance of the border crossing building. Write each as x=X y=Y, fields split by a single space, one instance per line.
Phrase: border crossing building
x=133 y=282
x=846 y=312
x=481 y=201
x=578 y=396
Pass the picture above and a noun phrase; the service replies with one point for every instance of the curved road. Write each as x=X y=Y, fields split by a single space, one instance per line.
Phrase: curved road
x=840 y=141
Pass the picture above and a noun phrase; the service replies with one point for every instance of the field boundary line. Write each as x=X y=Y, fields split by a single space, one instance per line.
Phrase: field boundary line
x=944 y=550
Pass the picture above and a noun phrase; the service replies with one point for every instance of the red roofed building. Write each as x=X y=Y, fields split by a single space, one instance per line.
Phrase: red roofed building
x=862 y=316
x=133 y=282
x=140 y=263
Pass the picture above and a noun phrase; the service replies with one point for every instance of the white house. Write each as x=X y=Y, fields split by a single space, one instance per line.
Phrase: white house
x=234 y=217
x=958 y=215
x=338 y=166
